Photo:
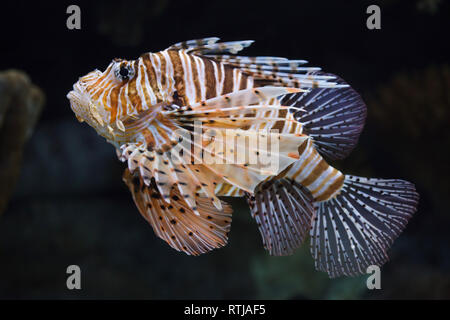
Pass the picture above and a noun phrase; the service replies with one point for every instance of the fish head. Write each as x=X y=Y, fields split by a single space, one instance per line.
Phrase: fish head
x=105 y=99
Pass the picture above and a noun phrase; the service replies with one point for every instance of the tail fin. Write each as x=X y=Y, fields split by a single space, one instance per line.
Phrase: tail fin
x=354 y=229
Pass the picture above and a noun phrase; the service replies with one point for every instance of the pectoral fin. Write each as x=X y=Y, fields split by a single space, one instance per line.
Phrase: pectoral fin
x=175 y=222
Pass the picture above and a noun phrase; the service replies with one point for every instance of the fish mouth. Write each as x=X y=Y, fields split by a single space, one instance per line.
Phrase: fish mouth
x=79 y=101
x=79 y=98
x=74 y=98
x=78 y=94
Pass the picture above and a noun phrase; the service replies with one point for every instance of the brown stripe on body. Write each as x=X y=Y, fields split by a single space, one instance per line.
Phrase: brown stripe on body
x=302 y=147
x=243 y=84
x=100 y=79
x=195 y=77
x=162 y=60
x=315 y=173
x=114 y=102
x=210 y=78
x=229 y=80
x=99 y=91
x=178 y=75
x=304 y=163
x=316 y=177
x=144 y=87
x=123 y=100
x=324 y=181
x=151 y=74
x=133 y=94
x=332 y=189
x=105 y=99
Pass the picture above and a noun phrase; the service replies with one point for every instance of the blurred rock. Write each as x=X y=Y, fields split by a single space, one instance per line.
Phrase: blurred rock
x=21 y=103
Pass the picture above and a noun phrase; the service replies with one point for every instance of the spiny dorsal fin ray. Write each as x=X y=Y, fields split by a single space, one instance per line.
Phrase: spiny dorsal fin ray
x=279 y=71
x=194 y=43
x=221 y=47
x=211 y=46
x=275 y=70
x=259 y=61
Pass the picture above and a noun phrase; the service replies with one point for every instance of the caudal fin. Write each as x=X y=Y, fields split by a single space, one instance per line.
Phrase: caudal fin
x=354 y=229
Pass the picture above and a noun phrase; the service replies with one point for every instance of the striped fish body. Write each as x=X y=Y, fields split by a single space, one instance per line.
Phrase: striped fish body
x=167 y=112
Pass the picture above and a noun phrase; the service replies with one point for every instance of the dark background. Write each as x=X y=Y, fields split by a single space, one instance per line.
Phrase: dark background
x=71 y=207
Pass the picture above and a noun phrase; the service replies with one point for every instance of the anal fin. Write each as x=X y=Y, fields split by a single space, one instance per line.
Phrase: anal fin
x=175 y=222
x=283 y=210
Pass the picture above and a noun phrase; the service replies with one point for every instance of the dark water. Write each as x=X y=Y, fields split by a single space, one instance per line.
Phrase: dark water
x=71 y=207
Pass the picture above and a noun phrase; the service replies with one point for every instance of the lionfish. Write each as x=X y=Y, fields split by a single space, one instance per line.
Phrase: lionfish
x=150 y=109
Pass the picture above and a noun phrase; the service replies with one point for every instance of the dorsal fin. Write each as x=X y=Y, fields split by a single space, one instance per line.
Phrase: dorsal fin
x=333 y=118
x=276 y=71
x=193 y=43
x=211 y=46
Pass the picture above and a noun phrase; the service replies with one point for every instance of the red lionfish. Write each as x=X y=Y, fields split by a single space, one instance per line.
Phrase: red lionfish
x=148 y=107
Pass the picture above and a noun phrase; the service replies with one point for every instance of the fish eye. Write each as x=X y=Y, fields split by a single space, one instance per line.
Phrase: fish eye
x=124 y=72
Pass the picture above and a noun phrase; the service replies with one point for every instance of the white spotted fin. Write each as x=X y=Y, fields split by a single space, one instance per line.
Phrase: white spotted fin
x=175 y=222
